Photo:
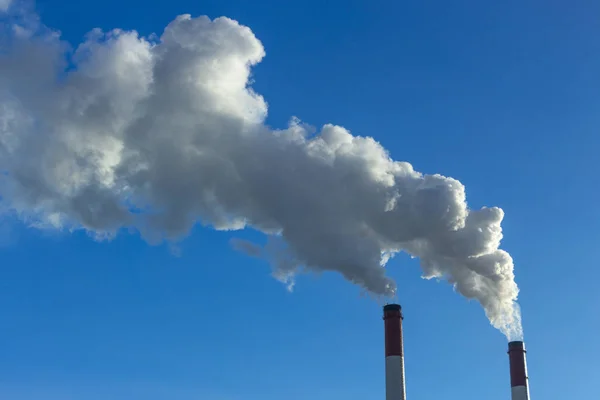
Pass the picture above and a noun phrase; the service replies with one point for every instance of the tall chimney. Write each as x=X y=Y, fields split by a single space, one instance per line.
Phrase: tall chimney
x=394 y=353
x=519 y=381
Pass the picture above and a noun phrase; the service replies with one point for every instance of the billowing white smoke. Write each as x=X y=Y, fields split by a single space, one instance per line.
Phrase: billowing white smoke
x=158 y=134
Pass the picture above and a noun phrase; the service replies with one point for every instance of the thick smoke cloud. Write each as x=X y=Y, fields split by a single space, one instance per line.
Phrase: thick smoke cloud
x=161 y=133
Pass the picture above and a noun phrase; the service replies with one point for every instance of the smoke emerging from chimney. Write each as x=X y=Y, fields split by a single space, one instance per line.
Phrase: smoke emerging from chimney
x=160 y=133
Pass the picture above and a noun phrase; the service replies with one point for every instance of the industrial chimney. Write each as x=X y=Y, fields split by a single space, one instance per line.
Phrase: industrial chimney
x=394 y=353
x=519 y=381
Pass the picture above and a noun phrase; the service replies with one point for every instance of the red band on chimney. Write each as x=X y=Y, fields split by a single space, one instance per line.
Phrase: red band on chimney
x=518 y=370
x=392 y=315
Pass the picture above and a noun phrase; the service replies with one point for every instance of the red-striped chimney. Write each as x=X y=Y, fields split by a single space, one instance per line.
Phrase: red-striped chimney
x=394 y=353
x=519 y=381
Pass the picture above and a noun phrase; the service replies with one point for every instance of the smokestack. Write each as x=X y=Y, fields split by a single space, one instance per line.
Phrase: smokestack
x=394 y=353
x=519 y=381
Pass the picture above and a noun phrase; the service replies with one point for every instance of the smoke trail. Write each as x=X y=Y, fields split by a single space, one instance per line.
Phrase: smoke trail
x=158 y=134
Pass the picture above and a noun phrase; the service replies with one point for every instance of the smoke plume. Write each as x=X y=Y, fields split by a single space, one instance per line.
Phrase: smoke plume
x=160 y=133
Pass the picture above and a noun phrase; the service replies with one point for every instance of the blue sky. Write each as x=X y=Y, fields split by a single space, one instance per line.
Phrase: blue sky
x=503 y=98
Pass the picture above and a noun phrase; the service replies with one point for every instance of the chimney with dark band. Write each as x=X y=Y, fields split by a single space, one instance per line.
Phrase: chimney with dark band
x=394 y=353
x=519 y=381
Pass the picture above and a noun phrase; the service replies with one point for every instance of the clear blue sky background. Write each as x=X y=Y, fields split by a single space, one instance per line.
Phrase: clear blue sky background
x=504 y=97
